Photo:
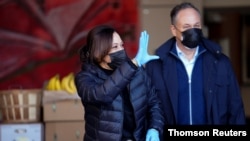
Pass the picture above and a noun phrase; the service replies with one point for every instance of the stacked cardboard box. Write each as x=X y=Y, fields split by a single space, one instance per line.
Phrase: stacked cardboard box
x=21 y=132
x=20 y=115
x=63 y=116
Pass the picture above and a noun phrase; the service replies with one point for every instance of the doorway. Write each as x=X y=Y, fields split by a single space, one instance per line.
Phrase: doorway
x=230 y=27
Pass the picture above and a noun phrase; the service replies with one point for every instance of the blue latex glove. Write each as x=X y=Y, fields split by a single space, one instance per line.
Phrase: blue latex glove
x=152 y=135
x=142 y=56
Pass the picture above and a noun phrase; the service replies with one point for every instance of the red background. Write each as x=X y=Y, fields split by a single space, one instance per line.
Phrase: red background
x=40 y=38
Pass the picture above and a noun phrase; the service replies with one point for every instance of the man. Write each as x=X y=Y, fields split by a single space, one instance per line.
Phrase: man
x=194 y=79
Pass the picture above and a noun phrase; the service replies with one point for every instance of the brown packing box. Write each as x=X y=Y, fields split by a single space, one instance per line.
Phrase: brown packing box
x=64 y=131
x=60 y=106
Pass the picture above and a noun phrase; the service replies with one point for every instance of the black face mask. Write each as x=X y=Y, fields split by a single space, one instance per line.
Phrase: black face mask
x=117 y=58
x=191 y=37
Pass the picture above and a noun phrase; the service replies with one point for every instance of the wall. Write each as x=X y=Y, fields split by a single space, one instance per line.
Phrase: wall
x=40 y=39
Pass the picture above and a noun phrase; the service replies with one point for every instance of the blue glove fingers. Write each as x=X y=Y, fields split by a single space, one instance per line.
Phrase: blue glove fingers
x=141 y=50
x=141 y=43
x=142 y=56
x=146 y=37
x=148 y=138
x=152 y=57
x=152 y=135
x=144 y=42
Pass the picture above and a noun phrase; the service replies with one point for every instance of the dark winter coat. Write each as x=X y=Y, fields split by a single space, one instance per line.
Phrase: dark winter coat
x=101 y=97
x=223 y=103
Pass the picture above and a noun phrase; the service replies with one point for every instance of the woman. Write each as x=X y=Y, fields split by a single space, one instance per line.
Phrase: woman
x=119 y=100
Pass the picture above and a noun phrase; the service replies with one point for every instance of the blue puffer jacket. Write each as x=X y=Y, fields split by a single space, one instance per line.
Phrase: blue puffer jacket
x=101 y=97
x=223 y=103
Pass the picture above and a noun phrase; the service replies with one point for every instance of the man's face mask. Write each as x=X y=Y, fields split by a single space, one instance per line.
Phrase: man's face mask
x=117 y=58
x=191 y=37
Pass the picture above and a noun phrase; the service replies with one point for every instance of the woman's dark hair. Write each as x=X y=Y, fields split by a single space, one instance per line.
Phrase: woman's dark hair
x=180 y=7
x=98 y=44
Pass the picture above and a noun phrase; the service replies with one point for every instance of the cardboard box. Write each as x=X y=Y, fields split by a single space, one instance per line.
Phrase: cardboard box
x=67 y=110
x=64 y=131
x=60 y=106
x=22 y=132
